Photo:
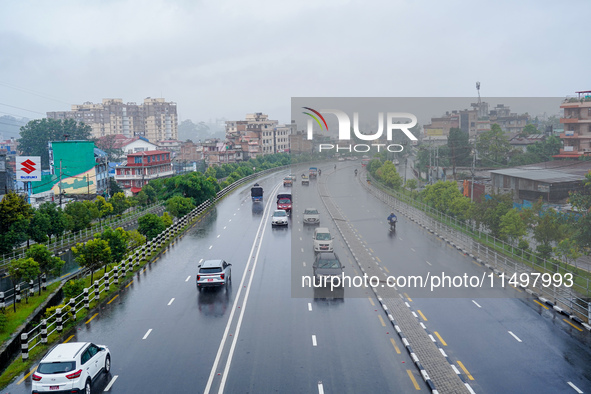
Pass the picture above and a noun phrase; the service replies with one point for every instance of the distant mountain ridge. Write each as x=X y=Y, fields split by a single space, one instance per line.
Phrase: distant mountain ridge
x=10 y=126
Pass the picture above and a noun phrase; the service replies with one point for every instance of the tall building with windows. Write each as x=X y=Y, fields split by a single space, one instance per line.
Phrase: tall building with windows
x=577 y=126
x=141 y=168
x=259 y=135
x=155 y=119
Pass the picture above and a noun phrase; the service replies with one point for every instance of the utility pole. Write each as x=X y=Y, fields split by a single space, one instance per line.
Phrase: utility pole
x=430 y=172
x=405 y=162
x=437 y=157
x=472 y=184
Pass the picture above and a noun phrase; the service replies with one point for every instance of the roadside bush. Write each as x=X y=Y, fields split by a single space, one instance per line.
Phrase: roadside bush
x=73 y=288
x=51 y=311
x=3 y=321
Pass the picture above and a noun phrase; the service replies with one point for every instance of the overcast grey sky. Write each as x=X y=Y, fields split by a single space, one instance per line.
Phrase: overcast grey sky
x=226 y=58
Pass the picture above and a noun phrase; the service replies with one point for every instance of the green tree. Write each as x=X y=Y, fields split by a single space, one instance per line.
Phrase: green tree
x=493 y=146
x=179 y=206
x=581 y=201
x=48 y=263
x=150 y=225
x=447 y=198
x=117 y=240
x=569 y=251
x=411 y=184
x=512 y=226
x=549 y=228
x=92 y=255
x=167 y=219
x=489 y=212
x=135 y=239
x=103 y=207
x=78 y=215
x=37 y=133
x=114 y=187
x=22 y=270
x=119 y=203
x=39 y=226
x=387 y=173
x=15 y=216
x=57 y=219
x=459 y=148
x=528 y=130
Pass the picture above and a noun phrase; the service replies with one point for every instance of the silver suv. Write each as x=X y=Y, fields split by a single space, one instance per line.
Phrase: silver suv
x=214 y=273
x=71 y=367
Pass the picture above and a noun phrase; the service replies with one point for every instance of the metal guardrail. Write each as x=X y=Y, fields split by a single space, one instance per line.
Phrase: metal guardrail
x=465 y=238
x=70 y=310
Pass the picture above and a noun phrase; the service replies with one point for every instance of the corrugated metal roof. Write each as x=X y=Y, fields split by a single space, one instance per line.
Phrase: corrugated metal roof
x=542 y=175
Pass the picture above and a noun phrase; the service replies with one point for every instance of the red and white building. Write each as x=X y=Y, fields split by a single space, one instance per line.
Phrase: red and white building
x=142 y=167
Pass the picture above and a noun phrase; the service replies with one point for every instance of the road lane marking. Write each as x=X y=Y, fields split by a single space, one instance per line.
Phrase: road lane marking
x=412 y=249
x=200 y=261
x=394 y=344
x=441 y=339
x=428 y=262
x=574 y=387
x=540 y=304
x=113 y=299
x=218 y=236
x=68 y=340
x=310 y=306
x=129 y=284
x=255 y=257
x=93 y=316
x=300 y=238
x=111 y=383
x=475 y=303
x=465 y=370
x=515 y=336
x=580 y=329
x=421 y=313
x=406 y=295
x=188 y=277
x=27 y=375
x=147 y=333
x=320 y=388
x=302 y=250
x=371 y=301
x=382 y=321
x=314 y=340
x=224 y=227
x=412 y=378
x=304 y=263
x=378 y=259
x=210 y=246
x=171 y=301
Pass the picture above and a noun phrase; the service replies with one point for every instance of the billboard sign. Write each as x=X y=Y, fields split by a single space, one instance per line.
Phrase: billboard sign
x=28 y=168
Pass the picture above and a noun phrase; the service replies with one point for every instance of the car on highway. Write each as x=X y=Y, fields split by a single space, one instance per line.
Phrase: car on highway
x=305 y=180
x=311 y=216
x=214 y=273
x=71 y=367
x=279 y=218
x=287 y=181
x=326 y=265
x=322 y=240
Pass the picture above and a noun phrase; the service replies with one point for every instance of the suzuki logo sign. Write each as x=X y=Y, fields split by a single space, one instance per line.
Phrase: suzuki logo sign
x=28 y=168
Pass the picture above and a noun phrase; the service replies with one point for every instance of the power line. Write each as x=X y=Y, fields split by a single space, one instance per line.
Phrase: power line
x=24 y=109
x=33 y=92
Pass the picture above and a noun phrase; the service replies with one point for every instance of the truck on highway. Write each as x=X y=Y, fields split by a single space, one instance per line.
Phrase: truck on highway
x=256 y=193
x=313 y=172
x=284 y=201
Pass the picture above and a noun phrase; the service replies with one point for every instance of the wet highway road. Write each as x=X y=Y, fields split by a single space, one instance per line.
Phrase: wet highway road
x=165 y=336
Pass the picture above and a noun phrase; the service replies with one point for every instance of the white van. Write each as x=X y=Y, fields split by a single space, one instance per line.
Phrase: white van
x=322 y=240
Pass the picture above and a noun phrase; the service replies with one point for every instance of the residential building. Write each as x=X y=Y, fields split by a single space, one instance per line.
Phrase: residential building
x=6 y=176
x=155 y=119
x=258 y=135
x=552 y=180
x=141 y=168
x=169 y=145
x=521 y=143
x=119 y=146
x=577 y=126
x=101 y=171
x=189 y=152
x=299 y=143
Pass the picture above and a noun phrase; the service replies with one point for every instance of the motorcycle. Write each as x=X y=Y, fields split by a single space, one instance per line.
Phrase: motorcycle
x=392 y=225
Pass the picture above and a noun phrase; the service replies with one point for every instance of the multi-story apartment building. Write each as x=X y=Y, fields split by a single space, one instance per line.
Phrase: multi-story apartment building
x=258 y=135
x=142 y=167
x=577 y=126
x=155 y=119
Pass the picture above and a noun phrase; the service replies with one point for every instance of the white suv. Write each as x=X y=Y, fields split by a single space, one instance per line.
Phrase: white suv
x=322 y=240
x=71 y=367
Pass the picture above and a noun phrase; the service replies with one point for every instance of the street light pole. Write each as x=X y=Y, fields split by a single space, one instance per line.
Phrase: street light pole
x=472 y=183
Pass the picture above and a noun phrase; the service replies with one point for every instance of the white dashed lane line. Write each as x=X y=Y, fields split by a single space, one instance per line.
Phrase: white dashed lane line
x=147 y=333
x=111 y=383
x=575 y=387
x=188 y=277
x=171 y=301
x=320 y=388
x=475 y=303
x=200 y=261
x=428 y=263
x=314 y=340
x=218 y=235
x=224 y=227
x=515 y=336
x=302 y=250
x=310 y=306
x=210 y=246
